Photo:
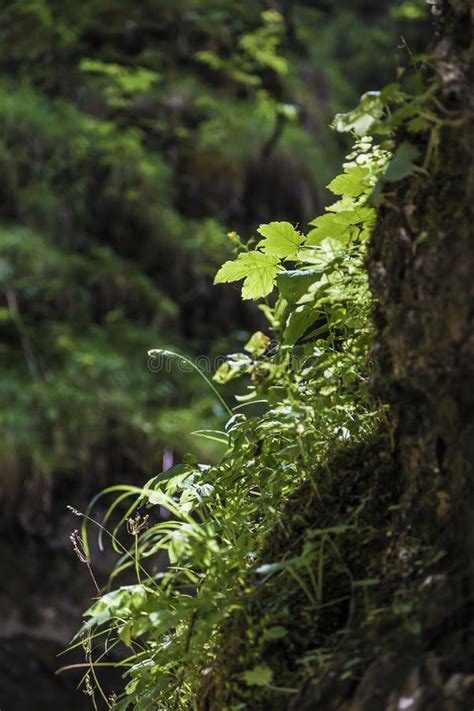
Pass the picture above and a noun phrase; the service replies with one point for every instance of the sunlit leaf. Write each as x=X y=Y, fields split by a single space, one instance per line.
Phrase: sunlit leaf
x=352 y=183
x=281 y=239
x=256 y=269
x=362 y=118
x=293 y=284
x=257 y=344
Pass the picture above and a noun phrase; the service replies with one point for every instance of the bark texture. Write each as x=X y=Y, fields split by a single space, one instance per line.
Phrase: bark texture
x=420 y=655
x=422 y=275
x=421 y=268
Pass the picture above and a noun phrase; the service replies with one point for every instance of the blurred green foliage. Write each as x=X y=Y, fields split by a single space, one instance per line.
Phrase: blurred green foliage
x=133 y=135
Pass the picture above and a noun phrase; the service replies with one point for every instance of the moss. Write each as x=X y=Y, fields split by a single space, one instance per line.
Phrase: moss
x=354 y=504
x=408 y=493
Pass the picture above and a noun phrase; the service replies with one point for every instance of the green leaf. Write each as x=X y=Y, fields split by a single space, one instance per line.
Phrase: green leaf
x=352 y=183
x=214 y=435
x=418 y=123
x=402 y=164
x=277 y=632
x=363 y=117
x=392 y=93
x=257 y=344
x=325 y=225
x=124 y=704
x=125 y=633
x=356 y=216
x=298 y=324
x=178 y=470
x=235 y=365
x=335 y=225
x=124 y=601
x=281 y=239
x=258 y=271
x=294 y=284
x=261 y=675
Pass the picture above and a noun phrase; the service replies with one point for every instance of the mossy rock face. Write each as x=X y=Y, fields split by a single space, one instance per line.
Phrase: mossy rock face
x=281 y=627
x=421 y=265
x=394 y=682
x=408 y=643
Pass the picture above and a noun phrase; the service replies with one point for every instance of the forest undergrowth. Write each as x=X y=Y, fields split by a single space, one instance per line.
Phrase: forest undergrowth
x=236 y=582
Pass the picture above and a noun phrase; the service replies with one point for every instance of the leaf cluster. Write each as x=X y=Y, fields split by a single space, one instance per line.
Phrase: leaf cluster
x=305 y=398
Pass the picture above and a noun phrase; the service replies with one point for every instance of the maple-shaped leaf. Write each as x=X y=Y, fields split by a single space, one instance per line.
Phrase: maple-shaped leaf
x=258 y=271
x=281 y=239
x=352 y=183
